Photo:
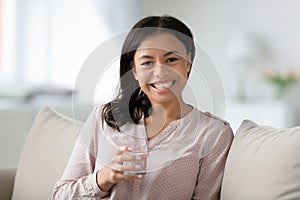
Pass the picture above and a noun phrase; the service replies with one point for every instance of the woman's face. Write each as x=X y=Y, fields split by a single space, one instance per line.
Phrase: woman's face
x=161 y=66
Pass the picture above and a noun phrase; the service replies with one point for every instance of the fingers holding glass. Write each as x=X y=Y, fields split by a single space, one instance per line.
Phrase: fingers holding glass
x=127 y=163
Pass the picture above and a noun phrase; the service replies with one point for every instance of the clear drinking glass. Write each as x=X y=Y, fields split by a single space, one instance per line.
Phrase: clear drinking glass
x=140 y=150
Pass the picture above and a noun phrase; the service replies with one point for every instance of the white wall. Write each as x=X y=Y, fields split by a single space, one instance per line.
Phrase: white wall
x=274 y=22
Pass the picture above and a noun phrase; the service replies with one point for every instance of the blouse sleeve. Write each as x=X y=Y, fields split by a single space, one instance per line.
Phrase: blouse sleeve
x=79 y=178
x=212 y=167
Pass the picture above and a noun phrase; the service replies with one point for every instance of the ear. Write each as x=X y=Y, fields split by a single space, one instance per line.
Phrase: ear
x=134 y=70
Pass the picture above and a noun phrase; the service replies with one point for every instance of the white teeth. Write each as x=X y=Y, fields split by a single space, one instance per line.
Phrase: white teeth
x=166 y=84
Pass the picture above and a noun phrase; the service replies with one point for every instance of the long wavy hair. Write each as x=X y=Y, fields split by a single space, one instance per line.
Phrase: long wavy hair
x=132 y=103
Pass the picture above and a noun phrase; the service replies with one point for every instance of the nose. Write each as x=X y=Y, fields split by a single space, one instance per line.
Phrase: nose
x=160 y=70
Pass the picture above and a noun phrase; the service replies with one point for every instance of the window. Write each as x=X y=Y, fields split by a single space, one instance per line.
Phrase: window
x=46 y=42
x=7 y=44
x=1 y=19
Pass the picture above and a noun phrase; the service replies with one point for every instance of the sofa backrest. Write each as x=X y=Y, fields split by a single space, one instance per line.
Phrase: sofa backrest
x=45 y=154
x=263 y=163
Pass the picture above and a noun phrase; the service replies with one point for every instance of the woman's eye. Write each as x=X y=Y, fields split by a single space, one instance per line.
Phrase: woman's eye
x=173 y=59
x=147 y=64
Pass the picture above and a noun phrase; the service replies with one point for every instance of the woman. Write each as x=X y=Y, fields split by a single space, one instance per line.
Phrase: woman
x=187 y=148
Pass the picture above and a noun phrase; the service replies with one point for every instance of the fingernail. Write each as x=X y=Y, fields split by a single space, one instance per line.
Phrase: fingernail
x=138 y=157
x=130 y=148
x=138 y=167
x=140 y=176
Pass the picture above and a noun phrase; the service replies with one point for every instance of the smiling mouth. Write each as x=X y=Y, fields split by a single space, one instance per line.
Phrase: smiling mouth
x=163 y=85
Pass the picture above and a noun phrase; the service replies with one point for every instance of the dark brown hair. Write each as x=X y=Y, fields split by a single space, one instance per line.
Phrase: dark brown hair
x=131 y=102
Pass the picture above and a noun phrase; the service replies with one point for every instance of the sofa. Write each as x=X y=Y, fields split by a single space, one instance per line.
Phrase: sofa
x=263 y=162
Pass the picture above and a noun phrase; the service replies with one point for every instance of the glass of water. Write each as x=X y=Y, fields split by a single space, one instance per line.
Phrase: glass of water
x=139 y=156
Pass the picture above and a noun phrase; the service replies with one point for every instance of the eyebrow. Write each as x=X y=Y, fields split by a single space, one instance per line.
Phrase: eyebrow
x=166 y=54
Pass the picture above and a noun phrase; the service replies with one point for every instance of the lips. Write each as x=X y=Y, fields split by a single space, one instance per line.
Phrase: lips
x=163 y=84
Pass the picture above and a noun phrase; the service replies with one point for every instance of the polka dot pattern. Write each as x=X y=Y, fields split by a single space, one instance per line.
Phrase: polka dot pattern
x=194 y=172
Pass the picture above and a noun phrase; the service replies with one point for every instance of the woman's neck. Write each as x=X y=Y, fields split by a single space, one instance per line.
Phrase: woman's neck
x=168 y=112
x=161 y=116
x=174 y=110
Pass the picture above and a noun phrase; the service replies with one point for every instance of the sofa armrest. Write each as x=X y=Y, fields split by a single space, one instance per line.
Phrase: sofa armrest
x=7 y=177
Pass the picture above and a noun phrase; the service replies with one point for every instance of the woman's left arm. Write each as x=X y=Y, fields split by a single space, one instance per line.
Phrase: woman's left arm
x=212 y=167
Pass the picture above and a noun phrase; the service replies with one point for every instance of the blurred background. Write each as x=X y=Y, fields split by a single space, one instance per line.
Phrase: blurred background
x=254 y=46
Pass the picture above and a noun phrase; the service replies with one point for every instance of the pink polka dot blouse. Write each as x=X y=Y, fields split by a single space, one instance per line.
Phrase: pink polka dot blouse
x=185 y=161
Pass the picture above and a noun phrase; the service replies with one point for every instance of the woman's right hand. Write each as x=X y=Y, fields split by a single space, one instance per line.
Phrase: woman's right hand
x=110 y=175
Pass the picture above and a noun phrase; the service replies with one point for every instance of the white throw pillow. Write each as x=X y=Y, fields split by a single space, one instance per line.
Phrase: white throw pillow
x=45 y=154
x=263 y=164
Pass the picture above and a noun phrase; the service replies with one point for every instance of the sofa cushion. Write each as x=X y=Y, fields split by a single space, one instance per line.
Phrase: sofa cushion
x=45 y=154
x=263 y=163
